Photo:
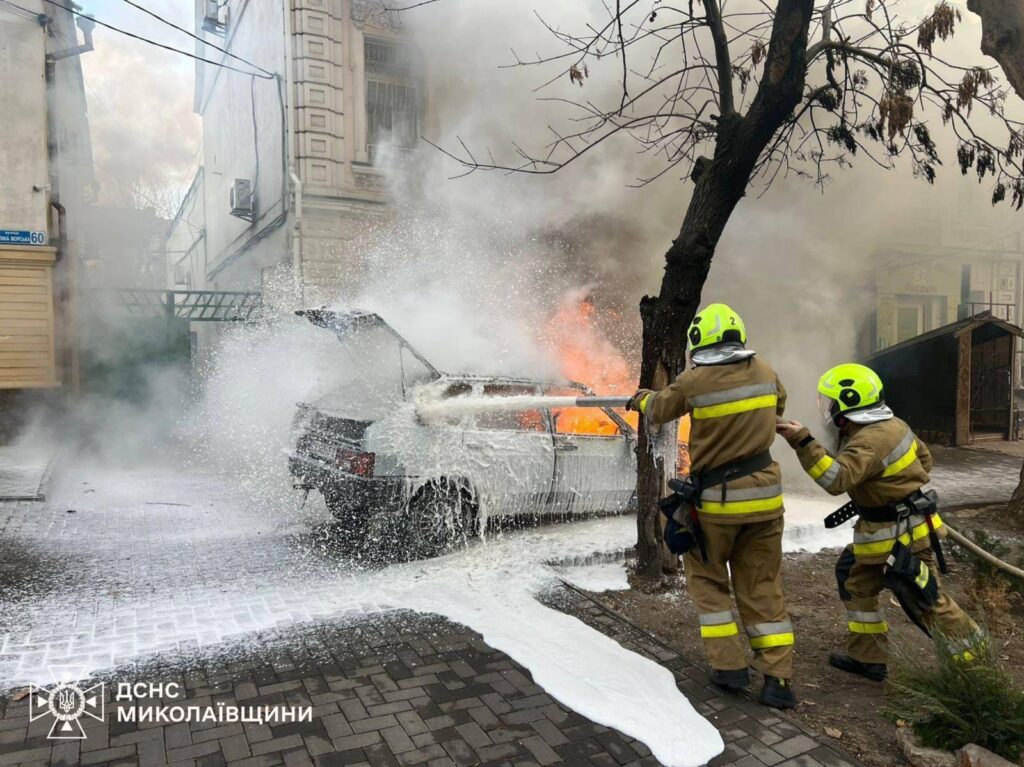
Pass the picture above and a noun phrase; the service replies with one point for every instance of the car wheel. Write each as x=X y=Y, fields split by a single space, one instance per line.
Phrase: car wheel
x=440 y=517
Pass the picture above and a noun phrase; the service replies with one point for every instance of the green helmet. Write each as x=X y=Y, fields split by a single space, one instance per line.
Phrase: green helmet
x=848 y=388
x=716 y=324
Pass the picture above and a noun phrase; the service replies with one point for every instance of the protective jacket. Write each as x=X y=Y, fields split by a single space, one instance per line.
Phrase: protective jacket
x=879 y=464
x=733 y=409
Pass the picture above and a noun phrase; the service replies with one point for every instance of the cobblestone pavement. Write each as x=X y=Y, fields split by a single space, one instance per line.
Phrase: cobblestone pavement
x=399 y=689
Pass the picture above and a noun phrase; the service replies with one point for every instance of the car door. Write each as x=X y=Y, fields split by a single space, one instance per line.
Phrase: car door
x=511 y=455
x=594 y=461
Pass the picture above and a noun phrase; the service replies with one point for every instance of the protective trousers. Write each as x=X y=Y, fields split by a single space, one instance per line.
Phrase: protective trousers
x=860 y=583
x=753 y=554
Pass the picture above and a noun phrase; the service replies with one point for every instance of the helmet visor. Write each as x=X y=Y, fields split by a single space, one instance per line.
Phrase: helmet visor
x=825 y=406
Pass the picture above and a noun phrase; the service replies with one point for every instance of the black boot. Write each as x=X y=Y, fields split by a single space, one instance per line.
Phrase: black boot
x=876 y=672
x=734 y=680
x=777 y=693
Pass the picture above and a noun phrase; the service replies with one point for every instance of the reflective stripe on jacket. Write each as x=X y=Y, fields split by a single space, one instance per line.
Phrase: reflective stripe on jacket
x=733 y=408
x=879 y=464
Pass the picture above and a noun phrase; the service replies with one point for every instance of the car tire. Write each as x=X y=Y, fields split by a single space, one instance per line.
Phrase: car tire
x=440 y=517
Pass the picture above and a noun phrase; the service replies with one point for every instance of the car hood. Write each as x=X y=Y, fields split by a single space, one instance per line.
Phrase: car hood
x=381 y=366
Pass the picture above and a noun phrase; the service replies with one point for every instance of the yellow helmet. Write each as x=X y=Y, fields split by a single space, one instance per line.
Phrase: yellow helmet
x=848 y=388
x=716 y=324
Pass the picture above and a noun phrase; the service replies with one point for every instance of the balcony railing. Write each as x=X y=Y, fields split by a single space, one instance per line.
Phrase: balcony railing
x=1007 y=312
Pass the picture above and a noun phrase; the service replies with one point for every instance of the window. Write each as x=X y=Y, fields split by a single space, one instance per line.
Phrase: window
x=392 y=98
x=582 y=420
x=511 y=420
x=585 y=420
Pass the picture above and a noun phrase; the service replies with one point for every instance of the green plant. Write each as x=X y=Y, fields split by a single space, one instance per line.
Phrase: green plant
x=951 y=703
x=987 y=573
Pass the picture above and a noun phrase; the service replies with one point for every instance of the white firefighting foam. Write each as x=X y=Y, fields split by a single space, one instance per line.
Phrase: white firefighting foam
x=198 y=566
x=508 y=472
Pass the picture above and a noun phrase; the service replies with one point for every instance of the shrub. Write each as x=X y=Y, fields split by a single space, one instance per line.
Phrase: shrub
x=951 y=703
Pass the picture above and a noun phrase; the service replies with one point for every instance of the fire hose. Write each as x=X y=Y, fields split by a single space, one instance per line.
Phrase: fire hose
x=979 y=552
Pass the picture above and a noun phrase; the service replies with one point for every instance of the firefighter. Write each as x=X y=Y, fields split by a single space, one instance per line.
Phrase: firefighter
x=733 y=398
x=896 y=540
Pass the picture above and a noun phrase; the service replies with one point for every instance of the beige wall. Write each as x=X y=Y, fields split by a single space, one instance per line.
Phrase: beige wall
x=24 y=175
x=27 y=357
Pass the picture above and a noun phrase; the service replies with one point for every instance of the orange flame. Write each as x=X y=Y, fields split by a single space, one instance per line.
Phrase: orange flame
x=587 y=355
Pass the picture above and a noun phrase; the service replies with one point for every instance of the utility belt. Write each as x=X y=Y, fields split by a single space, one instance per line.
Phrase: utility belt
x=923 y=503
x=683 y=529
x=904 y=572
x=918 y=502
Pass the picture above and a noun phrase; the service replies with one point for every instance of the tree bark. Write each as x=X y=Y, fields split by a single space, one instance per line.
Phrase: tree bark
x=718 y=189
x=1015 y=509
x=1002 y=36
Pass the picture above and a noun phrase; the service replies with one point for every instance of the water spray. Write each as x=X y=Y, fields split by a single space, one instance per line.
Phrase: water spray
x=429 y=408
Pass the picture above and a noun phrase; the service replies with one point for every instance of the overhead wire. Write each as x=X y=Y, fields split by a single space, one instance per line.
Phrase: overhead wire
x=194 y=36
x=960 y=251
x=143 y=39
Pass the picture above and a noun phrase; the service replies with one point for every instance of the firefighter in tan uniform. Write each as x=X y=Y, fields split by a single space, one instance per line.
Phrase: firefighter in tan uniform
x=882 y=465
x=733 y=398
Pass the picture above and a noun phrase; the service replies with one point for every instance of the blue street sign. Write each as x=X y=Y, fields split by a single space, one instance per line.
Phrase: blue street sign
x=21 y=237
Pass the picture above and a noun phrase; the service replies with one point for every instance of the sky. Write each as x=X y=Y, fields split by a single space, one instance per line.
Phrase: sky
x=139 y=96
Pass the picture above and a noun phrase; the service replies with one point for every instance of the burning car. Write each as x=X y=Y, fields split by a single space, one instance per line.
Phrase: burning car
x=386 y=475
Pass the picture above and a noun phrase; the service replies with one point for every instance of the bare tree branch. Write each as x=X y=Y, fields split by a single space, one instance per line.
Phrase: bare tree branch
x=722 y=60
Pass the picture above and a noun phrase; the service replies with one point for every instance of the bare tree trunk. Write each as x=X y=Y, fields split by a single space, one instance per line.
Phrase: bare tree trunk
x=1002 y=36
x=721 y=183
x=1016 y=506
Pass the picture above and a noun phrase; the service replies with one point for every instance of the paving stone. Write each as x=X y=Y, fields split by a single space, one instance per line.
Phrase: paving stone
x=106 y=755
x=474 y=735
x=765 y=753
x=397 y=740
x=543 y=753
x=356 y=741
x=796 y=745
x=235 y=747
x=277 y=744
x=374 y=723
x=804 y=760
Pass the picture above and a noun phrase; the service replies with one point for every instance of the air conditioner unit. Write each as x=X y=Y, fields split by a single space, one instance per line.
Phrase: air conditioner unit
x=215 y=17
x=242 y=199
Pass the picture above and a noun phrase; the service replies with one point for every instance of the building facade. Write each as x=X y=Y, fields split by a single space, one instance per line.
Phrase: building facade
x=949 y=256
x=943 y=267
x=45 y=174
x=920 y=291
x=292 y=174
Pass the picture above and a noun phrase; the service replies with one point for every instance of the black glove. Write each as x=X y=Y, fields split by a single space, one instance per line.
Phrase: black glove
x=637 y=399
